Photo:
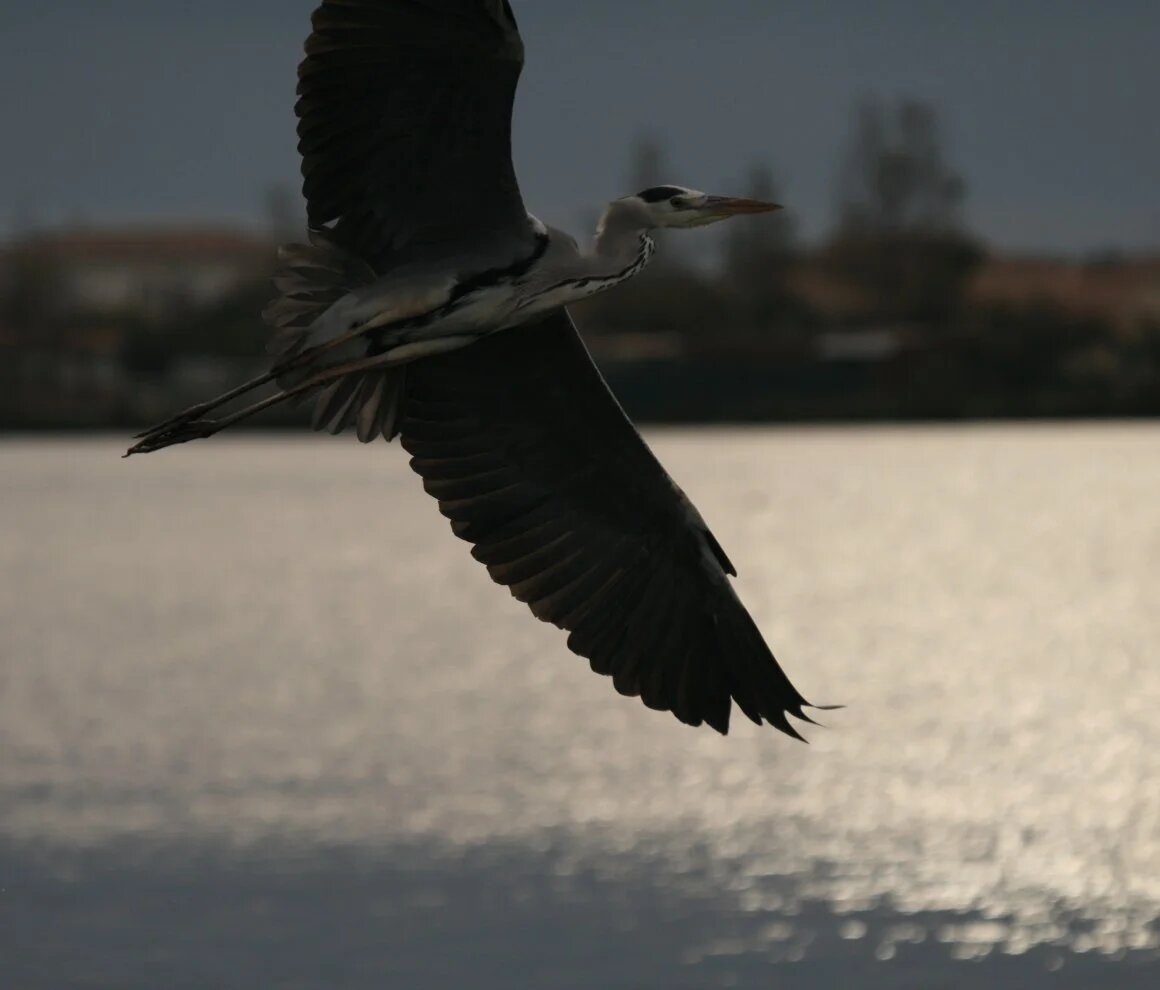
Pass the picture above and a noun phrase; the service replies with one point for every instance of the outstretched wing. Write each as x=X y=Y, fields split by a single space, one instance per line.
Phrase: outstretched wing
x=536 y=464
x=405 y=129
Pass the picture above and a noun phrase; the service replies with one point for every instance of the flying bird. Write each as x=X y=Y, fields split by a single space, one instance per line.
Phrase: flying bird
x=428 y=304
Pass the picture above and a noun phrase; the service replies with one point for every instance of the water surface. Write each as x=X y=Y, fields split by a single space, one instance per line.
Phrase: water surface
x=264 y=722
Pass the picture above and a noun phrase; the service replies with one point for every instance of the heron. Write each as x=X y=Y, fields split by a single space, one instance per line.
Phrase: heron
x=427 y=304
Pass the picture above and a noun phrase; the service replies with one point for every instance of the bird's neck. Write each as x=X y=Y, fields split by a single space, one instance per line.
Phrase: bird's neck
x=620 y=236
x=621 y=248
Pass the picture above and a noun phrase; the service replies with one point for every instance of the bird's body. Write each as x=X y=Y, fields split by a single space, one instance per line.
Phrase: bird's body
x=428 y=304
x=554 y=273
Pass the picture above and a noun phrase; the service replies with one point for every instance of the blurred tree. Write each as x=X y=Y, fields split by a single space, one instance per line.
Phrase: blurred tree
x=29 y=286
x=647 y=164
x=758 y=252
x=756 y=239
x=285 y=216
x=900 y=236
x=894 y=178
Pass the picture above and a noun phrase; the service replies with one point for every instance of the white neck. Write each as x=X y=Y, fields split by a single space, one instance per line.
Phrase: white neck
x=620 y=233
x=620 y=250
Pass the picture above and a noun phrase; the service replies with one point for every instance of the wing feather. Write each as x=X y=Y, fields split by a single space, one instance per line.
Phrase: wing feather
x=404 y=111
x=535 y=464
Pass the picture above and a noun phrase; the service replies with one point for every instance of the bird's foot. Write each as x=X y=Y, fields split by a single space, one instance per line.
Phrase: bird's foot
x=180 y=419
x=172 y=432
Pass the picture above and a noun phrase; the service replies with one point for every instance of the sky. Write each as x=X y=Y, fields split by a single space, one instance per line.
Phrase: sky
x=159 y=110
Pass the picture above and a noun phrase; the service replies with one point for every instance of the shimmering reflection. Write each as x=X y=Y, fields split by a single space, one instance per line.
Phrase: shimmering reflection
x=277 y=645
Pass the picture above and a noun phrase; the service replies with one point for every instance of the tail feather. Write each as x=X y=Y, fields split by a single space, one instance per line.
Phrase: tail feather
x=380 y=415
x=313 y=277
x=333 y=404
x=367 y=423
x=369 y=395
x=370 y=401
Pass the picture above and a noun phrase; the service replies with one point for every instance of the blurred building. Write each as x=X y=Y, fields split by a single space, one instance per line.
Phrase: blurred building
x=1123 y=293
x=114 y=326
x=147 y=271
x=81 y=305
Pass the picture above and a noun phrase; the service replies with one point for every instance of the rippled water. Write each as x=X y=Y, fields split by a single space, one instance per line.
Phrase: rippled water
x=264 y=722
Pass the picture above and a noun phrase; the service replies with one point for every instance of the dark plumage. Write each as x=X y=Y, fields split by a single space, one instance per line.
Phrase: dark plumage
x=536 y=465
x=656 y=194
x=404 y=114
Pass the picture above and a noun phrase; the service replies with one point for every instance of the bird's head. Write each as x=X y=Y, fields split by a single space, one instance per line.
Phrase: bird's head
x=676 y=206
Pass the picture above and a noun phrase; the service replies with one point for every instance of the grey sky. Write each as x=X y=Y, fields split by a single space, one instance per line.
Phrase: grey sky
x=159 y=109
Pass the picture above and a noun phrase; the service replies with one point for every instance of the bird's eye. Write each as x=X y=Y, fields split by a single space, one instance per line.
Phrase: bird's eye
x=678 y=202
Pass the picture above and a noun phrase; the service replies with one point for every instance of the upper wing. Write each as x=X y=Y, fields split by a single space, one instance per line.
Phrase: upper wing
x=536 y=464
x=405 y=128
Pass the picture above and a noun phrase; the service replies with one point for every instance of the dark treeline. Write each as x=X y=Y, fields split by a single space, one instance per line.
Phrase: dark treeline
x=899 y=313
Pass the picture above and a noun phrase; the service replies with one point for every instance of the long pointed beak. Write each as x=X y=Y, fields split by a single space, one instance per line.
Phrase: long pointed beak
x=731 y=207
